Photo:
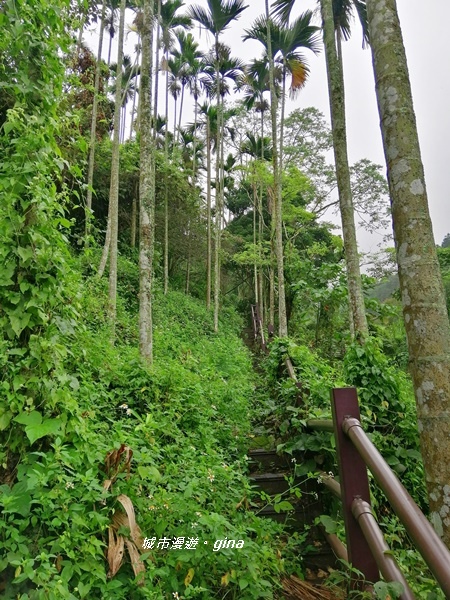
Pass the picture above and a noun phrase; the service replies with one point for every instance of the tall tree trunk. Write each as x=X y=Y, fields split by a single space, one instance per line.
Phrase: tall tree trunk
x=110 y=45
x=260 y=224
x=218 y=205
x=423 y=299
x=174 y=121
x=283 y=110
x=114 y=187
x=91 y=159
x=337 y=110
x=146 y=191
x=255 y=264
x=166 y=187
x=181 y=111
x=134 y=218
x=135 y=93
x=208 y=212
x=188 y=262
x=194 y=143
x=158 y=38
x=277 y=213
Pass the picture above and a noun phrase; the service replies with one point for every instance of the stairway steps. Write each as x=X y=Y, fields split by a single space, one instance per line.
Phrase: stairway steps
x=273 y=481
x=268 y=461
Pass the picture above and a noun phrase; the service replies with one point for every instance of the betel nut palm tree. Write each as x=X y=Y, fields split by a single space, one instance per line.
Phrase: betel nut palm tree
x=283 y=42
x=170 y=23
x=336 y=19
x=216 y=18
x=146 y=189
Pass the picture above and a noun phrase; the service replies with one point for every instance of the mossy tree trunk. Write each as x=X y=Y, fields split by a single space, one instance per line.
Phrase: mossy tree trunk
x=146 y=191
x=91 y=159
x=114 y=186
x=337 y=108
x=208 y=212
x=277 y=196
x=424 y=309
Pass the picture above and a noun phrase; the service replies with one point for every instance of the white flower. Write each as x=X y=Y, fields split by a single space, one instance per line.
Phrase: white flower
x=123 y=406
x=176 y=596
x=211 y=475
x=69 y=485
x=199 y=514
x=213 y=407
x=194 y=525
x=128 y=411
x=293 y=460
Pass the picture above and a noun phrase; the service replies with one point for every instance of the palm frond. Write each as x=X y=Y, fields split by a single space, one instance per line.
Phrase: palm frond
x=361 y=9
x=202 y=16
x=303 y=34
x=299 y=72
x=223 y=12
x=281 y=10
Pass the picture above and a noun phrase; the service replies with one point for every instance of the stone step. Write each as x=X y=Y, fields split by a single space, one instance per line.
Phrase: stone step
x=268 y=461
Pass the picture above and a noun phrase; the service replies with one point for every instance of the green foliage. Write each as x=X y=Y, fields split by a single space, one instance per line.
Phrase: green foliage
x=186 y=421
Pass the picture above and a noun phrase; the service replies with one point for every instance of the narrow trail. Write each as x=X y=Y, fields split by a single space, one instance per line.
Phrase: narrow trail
x=294 y=501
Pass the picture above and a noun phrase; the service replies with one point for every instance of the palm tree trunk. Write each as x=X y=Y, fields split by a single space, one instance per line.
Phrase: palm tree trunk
x=146 y=192
x=91 y=159
x=135 y=89
x=110 y=48
x=282 y=317
x=337 y=109
x=133 y=222
x=188 y=263
x=181 y=111
x=174 y=121
x=218 y=206
x=283 y=109
x=208 y=213
x=166 y=189
x=114 y=189
x=260 y=226
x=194 y=160
x=423 y=298
x=158 y=37
x=255 y=264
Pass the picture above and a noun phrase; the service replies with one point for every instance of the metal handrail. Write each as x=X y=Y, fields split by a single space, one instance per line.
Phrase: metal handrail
x=429 y=544
x=320 y=425
x=362 y=511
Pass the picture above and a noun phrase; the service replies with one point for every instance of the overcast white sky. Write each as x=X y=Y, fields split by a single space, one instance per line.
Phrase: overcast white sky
x=426 y=41
x=428 y=53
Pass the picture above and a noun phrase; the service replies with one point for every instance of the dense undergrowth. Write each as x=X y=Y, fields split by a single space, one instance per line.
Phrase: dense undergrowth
x=175 y=436
x=388 y=415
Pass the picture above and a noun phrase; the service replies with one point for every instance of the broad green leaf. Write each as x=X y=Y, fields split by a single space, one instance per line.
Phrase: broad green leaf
x=243 y=583
x=19 y=324
x=149 y=473
x=5 y=420
x=283 y=506
x=25 y=253
x=328 y=523
x=47 y=427
x=17 y=499
x=6 y=273
x=29 y=418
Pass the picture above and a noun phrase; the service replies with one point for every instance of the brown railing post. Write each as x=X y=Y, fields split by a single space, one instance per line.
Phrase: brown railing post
x=354 y=483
